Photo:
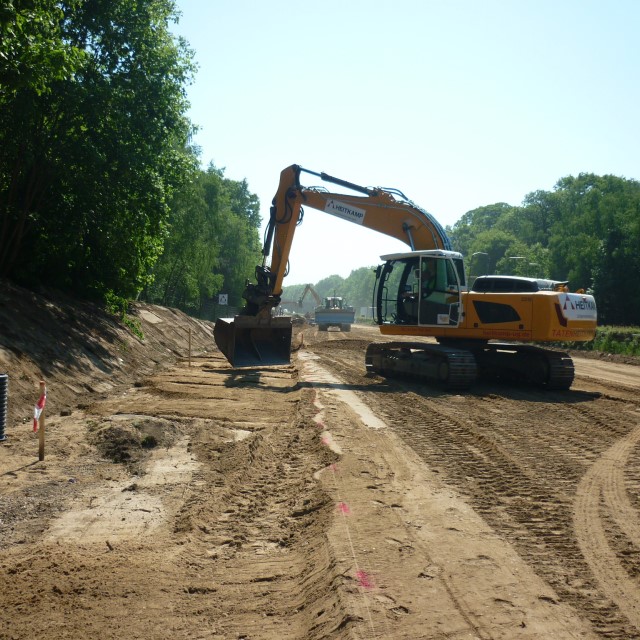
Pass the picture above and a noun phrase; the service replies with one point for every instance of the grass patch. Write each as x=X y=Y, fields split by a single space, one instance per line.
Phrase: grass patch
x=619 y=340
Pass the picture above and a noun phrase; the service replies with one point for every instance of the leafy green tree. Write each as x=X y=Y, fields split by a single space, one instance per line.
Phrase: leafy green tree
x=589 y=208
x=496 y=244
x=35 y=58
x=95 y=146
x=212 y=245
x=593 y=235
x=33 y=52
x=330 y=286
x=538 y=217
x=465 y=232
x=184 y=274
x=358 y=287
x=236 y=221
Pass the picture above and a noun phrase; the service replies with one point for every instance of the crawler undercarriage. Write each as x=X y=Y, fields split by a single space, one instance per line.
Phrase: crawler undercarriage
x=453 y=367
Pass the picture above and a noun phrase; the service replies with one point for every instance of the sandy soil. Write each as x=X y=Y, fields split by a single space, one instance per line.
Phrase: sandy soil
x=182 y=498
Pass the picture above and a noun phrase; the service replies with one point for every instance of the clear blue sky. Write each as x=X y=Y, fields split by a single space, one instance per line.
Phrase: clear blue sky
x=457 y=103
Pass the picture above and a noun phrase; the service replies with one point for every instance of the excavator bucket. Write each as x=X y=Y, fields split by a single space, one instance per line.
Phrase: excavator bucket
x=247 y=341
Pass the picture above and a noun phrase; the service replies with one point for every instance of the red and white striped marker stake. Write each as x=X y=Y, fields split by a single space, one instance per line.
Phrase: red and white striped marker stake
x=38 y=419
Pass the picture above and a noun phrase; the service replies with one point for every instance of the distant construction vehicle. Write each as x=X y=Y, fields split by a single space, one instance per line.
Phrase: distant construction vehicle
x=334 y=313
x=309 y=289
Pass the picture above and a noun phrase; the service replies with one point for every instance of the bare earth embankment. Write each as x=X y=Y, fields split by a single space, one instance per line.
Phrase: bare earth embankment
x=304 y=501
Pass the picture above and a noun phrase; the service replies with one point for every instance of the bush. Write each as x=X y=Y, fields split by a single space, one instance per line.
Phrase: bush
x=610 y=339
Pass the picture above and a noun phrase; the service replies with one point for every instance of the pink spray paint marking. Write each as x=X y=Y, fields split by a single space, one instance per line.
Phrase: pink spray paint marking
x=343 y=507
x=365 y=580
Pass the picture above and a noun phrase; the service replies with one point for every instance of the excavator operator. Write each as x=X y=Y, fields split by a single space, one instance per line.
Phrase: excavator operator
x=428 y=278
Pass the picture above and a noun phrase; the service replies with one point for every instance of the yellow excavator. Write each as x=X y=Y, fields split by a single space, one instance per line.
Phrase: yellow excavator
x=486 y=331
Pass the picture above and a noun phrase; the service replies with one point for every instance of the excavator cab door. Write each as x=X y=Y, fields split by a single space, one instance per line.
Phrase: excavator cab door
x=391 y=284
x=440 y=303
x=397 y=291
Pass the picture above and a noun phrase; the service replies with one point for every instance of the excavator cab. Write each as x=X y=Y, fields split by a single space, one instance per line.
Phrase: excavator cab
x=420 y=288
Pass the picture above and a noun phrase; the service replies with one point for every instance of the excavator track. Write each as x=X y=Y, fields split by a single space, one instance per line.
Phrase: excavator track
x=445 y=366
x=528 y=363
x=457 y=369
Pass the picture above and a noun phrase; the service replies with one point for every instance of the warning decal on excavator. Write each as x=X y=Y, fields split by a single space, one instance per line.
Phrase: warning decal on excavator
x=345 y=211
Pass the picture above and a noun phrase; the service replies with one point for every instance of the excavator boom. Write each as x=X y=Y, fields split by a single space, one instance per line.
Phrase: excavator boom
x=309 y=289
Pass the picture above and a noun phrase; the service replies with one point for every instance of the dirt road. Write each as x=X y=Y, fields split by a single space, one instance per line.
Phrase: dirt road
x=312 y=501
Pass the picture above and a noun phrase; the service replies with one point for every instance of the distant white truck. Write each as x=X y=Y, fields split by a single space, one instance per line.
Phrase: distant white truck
x=334 y=313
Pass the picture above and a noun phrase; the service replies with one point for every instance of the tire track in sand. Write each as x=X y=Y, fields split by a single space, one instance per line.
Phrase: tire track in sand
x=603 y=485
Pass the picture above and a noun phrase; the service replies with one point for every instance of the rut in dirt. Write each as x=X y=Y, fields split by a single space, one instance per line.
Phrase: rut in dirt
x=556 y=473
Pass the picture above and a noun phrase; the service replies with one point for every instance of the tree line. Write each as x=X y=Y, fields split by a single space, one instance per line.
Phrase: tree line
x=586 y=231
x=101 y=191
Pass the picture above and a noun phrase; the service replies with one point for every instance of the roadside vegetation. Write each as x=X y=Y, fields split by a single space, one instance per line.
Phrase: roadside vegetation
x=623 y=341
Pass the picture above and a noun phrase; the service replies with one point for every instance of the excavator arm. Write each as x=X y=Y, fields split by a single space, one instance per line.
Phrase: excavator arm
x=256 y=336
x=387 y=211
x=309 y=289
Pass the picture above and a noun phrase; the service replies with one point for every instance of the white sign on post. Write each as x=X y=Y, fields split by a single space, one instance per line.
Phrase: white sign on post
x=223 y=298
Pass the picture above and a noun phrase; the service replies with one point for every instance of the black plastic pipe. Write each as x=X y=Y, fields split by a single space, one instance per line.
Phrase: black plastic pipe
x=4 y=404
